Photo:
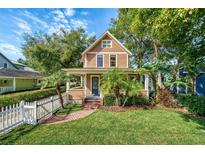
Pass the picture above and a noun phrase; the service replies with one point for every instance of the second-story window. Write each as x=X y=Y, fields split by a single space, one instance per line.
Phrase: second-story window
x=99 y=60
x=106 y=44
x=112 y=60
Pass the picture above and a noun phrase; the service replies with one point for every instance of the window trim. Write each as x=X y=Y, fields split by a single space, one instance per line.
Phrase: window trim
x=106 y=45
x=97 y=60
x=115 y=60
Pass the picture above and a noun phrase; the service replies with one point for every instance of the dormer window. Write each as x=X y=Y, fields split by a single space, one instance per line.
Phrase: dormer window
x=106 y=44
x=5 y=65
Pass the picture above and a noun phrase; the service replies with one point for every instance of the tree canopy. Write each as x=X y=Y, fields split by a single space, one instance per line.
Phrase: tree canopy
x=173 y=37
x=50 y=53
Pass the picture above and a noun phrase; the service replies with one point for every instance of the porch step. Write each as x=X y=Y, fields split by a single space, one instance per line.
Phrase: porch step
x=92 y=104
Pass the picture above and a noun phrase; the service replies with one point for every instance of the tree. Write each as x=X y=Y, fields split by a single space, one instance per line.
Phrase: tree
x=56 y=80
x=183 y=32
x=118 y=83
x=168 y=34
x=50 y=53
x=137 y=44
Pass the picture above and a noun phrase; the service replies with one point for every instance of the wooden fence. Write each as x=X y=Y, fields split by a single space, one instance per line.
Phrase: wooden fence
x=28 y=112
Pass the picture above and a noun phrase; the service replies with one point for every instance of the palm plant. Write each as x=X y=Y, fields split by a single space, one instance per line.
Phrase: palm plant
x=132 y=88
x=56 y=79
x=118 y=83
x=112 y=82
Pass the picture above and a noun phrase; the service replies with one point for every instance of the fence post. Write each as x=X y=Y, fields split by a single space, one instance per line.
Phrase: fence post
x=22 y=113
x=51 y=105
x=35 y=113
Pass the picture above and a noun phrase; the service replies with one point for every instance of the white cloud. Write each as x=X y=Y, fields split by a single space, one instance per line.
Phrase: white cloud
x=23 y=25
x=35 y=19
x=18 y=33
x=77 y=23
x=84 y=13
x=69 y=12
x=55 y=28
x=9 y=48
x=58 y=14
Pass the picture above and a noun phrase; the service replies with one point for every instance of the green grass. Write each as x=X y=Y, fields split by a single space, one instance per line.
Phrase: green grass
x=69 y=108
x=156 y=126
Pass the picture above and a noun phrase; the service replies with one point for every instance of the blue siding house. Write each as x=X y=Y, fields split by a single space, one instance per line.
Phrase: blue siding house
x=200 y=85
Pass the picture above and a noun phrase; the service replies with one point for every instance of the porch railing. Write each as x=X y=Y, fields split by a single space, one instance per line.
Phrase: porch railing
x=5 y=89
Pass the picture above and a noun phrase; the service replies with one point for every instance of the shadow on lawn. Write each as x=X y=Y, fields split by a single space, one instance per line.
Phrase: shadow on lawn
x=14 y=135
x=68 y=109
x=196 y=119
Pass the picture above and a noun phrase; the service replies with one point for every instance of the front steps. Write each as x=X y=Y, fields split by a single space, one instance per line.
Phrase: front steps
x=93 y=103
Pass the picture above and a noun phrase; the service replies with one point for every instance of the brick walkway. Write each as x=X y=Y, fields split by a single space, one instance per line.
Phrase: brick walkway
x=72 y=116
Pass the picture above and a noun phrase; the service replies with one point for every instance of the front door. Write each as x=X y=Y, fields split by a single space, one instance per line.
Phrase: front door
x=95 y=86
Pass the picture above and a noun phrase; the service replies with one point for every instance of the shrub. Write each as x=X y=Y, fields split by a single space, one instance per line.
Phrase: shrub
x=194 y=104
x=109 y=100
x=14 y=98
x=137 y=100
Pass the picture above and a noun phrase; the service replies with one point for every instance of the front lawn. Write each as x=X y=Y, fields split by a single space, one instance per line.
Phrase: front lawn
x=156 y=126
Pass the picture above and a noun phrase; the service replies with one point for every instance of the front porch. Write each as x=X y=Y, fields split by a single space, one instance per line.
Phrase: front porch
x=88 y=89
x=7 y=84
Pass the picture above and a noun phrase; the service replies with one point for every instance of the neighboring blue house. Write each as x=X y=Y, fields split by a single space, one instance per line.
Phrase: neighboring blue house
x=200 y=84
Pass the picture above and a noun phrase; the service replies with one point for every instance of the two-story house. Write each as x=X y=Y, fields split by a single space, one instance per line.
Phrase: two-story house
x=104 y=54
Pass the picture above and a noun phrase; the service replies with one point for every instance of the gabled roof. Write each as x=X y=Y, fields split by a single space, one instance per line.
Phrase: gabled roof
x=114 y=38
x=8 y=60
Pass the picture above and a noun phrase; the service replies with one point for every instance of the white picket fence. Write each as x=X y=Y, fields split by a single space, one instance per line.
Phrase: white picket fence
x=28 y=112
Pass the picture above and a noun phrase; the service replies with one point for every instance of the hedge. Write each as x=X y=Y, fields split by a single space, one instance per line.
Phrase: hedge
x=137 y=100
x=8 y=99
x=194 y=104
x=109 y=100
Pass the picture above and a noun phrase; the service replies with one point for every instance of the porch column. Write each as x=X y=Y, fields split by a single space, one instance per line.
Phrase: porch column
x=85 y=86
x=67 y=85
x=14 y=84
x=146 y=84
x=81 y=81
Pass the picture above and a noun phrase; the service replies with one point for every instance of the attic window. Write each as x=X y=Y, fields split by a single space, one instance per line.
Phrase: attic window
x=5 y=65
x=106 y=44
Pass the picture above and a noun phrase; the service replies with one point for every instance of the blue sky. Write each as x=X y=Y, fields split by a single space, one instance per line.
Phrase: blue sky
x=14 y=22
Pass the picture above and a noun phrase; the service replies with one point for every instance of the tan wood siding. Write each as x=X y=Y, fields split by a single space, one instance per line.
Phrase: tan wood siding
x=122 y=61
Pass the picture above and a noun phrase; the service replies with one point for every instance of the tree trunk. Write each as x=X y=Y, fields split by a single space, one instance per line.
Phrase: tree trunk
x=159 y=74
x=58 y=90
x=117 y=95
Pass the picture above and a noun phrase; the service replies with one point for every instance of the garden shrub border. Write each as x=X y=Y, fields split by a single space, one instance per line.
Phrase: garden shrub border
x=14 y=98
x=194 y=104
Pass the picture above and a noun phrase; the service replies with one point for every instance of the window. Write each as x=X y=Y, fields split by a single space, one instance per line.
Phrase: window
x=106 y=43
x=5 y=65
x=99 y=60
x=5 y=82
x=112 y=60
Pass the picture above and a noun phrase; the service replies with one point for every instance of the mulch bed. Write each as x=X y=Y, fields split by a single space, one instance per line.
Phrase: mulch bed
x=126 y=108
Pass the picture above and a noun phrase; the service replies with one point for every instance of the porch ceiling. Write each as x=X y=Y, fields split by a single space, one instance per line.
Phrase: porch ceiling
x=95 y=70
